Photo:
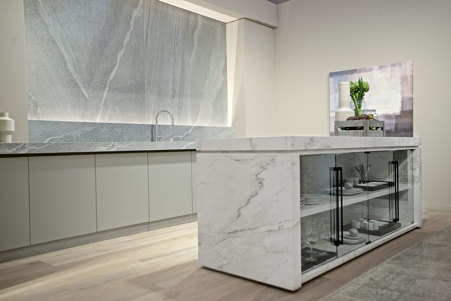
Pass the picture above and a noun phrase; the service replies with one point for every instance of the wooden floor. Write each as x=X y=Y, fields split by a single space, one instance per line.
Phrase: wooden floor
x=162 y=265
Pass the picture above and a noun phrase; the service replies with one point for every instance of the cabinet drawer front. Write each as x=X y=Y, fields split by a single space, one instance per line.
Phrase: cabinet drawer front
x=170 y=185
x=62 y=197
x=122 y=190
x=14 y=203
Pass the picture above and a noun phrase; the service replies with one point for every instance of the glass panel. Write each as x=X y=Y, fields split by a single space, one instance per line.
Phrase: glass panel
x=317 y=211
x=405 y=159
x=355 y=201
x=389 y=192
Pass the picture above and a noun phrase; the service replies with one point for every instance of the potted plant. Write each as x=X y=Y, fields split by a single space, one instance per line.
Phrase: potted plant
x=359 y=124
x=357 y=92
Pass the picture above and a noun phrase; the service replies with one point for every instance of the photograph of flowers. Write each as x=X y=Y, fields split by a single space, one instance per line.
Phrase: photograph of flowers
x=389 y=97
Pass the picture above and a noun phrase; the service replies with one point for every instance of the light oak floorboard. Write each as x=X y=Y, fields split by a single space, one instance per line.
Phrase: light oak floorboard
x=162 y=265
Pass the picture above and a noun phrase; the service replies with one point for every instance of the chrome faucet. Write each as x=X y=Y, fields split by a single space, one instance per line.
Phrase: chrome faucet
x=156 y=122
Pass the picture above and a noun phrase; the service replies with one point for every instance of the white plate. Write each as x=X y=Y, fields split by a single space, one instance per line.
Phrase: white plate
x=358 y=237
x=352 y=191
x=314 y=199
x=354 y=241
x=313 y=202
x=312 y=195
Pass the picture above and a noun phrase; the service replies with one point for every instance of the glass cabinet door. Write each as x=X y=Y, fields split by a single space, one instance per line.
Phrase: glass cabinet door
x=390 y=192
x=330 y=205
x=318 y=211
x=348 y=200
x=354 y=167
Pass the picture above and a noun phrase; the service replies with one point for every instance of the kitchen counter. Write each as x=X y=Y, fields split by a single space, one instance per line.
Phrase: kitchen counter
x=293 y=143
x=8 y=149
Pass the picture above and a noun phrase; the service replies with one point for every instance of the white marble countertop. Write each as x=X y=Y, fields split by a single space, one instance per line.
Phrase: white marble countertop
x=92 y=147
x=300 y=143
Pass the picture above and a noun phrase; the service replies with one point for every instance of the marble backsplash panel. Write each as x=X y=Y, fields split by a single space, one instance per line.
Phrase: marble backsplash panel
x=112 y=61
x=66 y=131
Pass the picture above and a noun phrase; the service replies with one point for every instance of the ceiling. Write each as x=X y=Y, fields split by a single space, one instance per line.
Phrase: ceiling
x=278 y=1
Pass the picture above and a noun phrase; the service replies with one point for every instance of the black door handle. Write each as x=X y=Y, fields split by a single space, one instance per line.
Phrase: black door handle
x=340 y=185
x=395 y=165
x=338 y=192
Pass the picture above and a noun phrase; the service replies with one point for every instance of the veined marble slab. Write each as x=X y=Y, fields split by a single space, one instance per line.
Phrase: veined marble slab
x=65 y=131
x=192 y=133
x=305 y=143
x=99 y=147
x=123 y=61
x=249 y=220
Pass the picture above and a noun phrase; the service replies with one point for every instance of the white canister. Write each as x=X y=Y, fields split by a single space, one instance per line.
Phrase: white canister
x=356 y=224
x=365 y=225
x=7 y=127
x=344 y=102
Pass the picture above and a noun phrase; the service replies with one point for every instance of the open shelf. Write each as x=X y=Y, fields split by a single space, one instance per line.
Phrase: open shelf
x=326 y=205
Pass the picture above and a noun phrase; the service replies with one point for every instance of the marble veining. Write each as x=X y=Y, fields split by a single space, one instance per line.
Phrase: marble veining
x=122 y=61
x=248 y=196
x=246 y=227
x=306 y=143
x=66 y=131
x=93 y=147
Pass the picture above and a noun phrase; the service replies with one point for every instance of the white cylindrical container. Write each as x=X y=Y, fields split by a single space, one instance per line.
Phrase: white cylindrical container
x=365 y=225
x=344 y=102
x=7 y=127
x=356 y=224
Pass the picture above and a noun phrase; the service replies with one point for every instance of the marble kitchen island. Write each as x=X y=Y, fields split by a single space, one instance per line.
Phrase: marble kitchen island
x=274 y=209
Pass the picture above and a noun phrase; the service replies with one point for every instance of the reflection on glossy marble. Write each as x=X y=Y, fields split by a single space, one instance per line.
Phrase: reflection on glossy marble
x=123 y=61
x=423 y=272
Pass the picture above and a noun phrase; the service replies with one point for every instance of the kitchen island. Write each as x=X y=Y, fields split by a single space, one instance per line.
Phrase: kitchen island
x=284 y=210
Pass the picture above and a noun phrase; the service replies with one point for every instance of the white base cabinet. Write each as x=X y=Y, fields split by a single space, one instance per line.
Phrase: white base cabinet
x=14 y=206
x=54 y=197
x=122 y=190
x=62 y=197
x=170 y=185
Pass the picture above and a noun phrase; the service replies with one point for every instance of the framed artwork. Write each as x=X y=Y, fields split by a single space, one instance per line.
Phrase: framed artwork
x=389 y=99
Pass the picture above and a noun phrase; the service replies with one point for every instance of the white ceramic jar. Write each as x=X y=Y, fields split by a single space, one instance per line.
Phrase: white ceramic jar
x=7 y=127
x=344 y=102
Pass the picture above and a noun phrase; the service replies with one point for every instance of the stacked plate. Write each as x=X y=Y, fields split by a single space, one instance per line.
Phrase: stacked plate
x=314 y=199
x=353 y=240
x=352 y=191
x=302 y=201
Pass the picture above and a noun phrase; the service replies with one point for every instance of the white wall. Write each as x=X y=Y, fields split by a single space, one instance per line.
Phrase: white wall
x=251 y=78
x=317 y=37
x=12 y=66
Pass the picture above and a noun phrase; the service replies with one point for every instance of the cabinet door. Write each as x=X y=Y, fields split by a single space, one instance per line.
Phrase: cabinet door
x=170 y=186
x=330 y=210
x=14 y=203
x=319 y=241
x=62 y=197
x=122 y=190
x=390 y=191
x=353 y=200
